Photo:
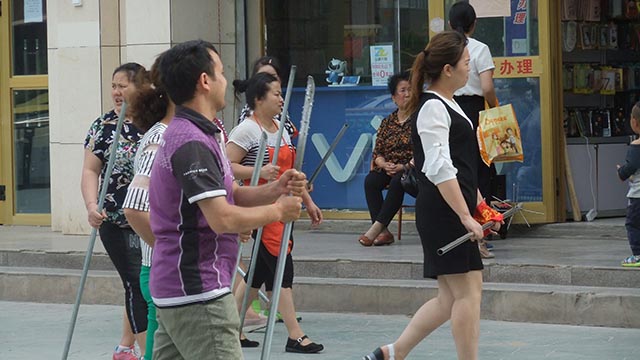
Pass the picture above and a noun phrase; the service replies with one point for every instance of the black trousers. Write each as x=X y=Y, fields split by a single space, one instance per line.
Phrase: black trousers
x=383 y=209
x=123 y=247
x=472 y=105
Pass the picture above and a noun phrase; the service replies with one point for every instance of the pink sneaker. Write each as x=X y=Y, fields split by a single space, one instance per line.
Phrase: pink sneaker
x=126 y=354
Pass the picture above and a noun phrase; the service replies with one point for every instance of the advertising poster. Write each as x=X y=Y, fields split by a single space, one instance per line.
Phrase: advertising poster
x=381 y=64
x=33 y=11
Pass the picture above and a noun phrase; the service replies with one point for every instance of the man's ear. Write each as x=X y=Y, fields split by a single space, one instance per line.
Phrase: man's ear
x=203 y=81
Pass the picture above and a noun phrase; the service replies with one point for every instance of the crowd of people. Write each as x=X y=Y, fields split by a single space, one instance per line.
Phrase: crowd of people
x=177 y=199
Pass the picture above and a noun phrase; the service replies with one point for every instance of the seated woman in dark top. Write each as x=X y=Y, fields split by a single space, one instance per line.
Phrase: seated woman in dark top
x=392 y=154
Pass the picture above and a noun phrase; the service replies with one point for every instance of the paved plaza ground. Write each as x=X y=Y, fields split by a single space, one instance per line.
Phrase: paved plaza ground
x=38 y=331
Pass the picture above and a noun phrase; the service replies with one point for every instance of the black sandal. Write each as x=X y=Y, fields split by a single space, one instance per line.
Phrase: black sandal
x=246 y=343
x=295 y=346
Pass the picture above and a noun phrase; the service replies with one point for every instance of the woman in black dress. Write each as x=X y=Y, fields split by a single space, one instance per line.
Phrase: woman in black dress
x=445 y=150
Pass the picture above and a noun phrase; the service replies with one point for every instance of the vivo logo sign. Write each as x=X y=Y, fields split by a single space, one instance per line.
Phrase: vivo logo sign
x=343 y=174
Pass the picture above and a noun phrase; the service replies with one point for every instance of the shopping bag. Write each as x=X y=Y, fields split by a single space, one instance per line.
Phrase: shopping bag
x=499 y=135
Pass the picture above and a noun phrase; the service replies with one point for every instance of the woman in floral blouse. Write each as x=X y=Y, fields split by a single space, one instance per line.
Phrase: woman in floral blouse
x=391 y=156
x=120 y=241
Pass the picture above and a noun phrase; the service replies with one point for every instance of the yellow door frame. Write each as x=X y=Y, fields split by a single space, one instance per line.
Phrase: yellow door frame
x=8 y=84
x=546 y=210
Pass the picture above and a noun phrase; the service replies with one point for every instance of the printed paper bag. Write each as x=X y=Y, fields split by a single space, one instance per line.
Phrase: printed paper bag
x=499 y=135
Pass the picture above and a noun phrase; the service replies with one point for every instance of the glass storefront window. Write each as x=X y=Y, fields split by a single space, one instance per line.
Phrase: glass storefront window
x=311 y=33
x=523 y=181
x=29 y=37
x=31 y=151
x=516 y=35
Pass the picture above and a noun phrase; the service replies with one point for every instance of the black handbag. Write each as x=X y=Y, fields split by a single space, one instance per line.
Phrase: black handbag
x=409 y=181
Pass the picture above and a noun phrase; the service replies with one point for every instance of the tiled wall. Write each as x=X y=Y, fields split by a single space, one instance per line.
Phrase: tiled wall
x=85 y=44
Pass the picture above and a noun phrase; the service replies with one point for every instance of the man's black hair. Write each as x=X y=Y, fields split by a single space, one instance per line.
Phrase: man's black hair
x=181 y=67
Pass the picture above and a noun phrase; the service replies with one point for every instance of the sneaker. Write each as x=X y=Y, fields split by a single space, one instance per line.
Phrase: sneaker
x=255 y=305
x=631 y=261
x=259 y=321
x=125 y=354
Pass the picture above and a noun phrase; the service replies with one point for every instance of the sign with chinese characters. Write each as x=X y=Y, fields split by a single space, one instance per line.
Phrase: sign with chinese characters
x=491 y=8
x=516 y=67
x=381 y=64
x=516 y=37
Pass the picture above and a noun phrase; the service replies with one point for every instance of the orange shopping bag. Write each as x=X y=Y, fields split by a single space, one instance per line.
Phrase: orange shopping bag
x=499 y=135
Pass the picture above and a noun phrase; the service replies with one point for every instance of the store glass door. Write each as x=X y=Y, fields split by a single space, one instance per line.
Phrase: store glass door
x=24 y=114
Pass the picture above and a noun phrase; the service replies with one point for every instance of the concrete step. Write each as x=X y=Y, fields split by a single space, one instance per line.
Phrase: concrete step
x=553 y=304
x=557 y=304
x=493 y=272
x=365 y=269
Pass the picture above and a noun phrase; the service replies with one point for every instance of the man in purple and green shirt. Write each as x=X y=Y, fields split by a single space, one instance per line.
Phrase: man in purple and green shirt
x=197 y=211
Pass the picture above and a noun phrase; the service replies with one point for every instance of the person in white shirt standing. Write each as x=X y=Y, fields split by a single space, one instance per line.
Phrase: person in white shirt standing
x=478 y=90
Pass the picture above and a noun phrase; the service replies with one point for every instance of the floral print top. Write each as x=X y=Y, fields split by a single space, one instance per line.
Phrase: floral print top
x=98 y=141
x=393 y=141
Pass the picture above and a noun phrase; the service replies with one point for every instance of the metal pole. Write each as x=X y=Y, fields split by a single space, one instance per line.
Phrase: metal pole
x=255 y=177
x=283 y=115
x=274 y=161
x=450 y=246
x=284 y=245
x=261 y=294
x=94 y=231
x=326 y=156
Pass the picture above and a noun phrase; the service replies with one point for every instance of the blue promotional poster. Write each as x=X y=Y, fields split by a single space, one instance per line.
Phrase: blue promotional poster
x=516 y=29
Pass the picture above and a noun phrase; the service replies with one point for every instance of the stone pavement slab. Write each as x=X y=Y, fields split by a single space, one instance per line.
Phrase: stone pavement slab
x=38 y=331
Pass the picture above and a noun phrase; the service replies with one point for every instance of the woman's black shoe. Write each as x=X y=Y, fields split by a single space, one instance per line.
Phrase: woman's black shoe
x=296 y=346
x=246 y=343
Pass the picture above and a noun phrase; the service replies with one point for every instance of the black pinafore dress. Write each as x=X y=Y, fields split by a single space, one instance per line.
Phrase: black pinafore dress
x=437 y=223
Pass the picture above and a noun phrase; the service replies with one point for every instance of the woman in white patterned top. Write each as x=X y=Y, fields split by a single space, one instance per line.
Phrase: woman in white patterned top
x=152 y=111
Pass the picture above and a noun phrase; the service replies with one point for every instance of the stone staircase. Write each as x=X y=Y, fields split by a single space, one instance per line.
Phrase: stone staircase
x=382 y=281
x=524 y=293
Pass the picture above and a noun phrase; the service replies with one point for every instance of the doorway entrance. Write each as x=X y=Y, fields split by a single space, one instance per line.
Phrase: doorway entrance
x=25 y=191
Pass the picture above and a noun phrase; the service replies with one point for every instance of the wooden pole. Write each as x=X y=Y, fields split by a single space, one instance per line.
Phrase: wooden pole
x=575 y=207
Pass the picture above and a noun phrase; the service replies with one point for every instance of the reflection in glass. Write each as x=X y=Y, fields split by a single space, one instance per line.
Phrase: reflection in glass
x=310 y=33
x=29 y=41
x=523 y=180
x=516 y=35
x=31 y=151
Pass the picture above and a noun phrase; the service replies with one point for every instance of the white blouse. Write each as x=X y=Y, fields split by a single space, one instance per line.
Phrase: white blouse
x=481 y=61
x=433 y=126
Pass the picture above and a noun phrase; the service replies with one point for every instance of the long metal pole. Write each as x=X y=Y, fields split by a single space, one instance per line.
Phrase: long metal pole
x=94 y=231
x=274 y=161
x=288 y=228
x=261 y=295
x=450 y=246
x=283 y=115
x=255 y=177
x=326 y=156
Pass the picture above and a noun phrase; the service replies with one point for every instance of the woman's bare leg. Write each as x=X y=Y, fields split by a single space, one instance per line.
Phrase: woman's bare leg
x=465 y=313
